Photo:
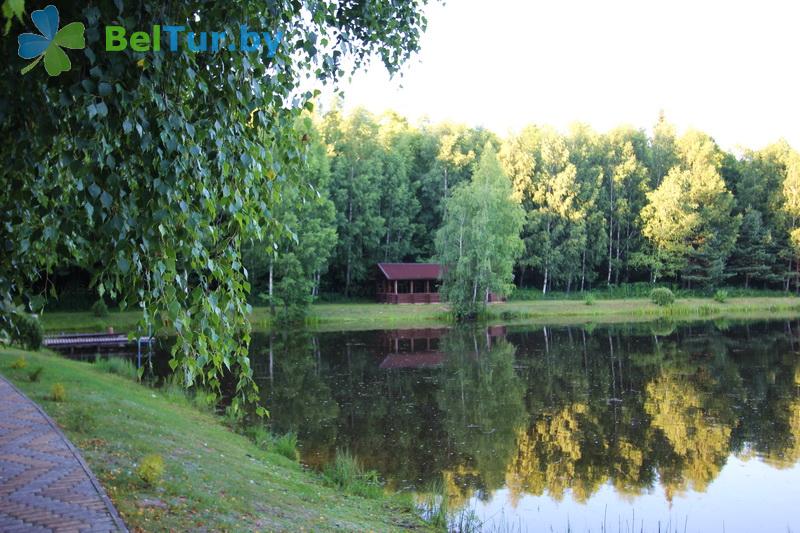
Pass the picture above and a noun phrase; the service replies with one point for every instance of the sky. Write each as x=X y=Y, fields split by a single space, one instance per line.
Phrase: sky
x=729 y=68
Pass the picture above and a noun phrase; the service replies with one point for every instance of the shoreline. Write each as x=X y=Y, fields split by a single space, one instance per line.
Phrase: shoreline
x=365 y=316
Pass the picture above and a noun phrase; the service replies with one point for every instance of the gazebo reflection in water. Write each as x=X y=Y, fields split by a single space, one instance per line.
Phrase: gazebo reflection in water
x=422 y=348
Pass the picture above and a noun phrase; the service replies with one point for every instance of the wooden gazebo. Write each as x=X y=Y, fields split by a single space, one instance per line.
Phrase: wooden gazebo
x=408 y=283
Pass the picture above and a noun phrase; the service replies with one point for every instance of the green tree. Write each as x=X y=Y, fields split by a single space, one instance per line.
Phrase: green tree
x=153 y=171
x=357 y=176
x=791 y=207
x=758 y=185
x=624 y=195
x=663 y=153
x=399 y=206
x=587 y=151
x=479 y=240
x=751 y=259
x=518 y=156
x=446 y=155
x=546 y=182
x=688 y=219
x=285 y=269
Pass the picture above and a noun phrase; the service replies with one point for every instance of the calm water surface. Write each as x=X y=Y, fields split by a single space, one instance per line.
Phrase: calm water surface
x=628 y=428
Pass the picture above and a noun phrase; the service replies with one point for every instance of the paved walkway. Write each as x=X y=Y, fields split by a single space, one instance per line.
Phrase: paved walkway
x=45 y=484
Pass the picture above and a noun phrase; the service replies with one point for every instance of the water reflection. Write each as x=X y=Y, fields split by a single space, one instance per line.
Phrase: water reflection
x=508 y=419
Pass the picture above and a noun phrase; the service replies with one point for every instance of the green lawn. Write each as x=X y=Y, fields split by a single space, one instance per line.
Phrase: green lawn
x=641 y=310
x=359 y=316
x=214 y=480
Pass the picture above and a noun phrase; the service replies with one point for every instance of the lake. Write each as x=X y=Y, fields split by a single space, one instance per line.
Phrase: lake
x=647 y=427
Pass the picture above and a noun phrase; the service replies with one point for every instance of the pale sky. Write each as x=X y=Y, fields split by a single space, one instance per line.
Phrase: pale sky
x=729 y=68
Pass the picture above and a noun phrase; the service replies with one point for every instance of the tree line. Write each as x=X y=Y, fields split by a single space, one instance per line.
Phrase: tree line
x=591 y=209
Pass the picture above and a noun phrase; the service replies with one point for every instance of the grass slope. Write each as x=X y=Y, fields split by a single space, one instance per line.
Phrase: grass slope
x=214 y=479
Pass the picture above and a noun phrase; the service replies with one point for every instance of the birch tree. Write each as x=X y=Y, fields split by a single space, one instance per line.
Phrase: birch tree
x=479 y=240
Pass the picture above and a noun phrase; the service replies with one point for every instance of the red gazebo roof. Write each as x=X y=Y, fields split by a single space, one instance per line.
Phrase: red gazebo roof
x=410 y=271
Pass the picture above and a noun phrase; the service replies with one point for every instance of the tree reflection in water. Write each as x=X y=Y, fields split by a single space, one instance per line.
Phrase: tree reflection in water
x=541 y=411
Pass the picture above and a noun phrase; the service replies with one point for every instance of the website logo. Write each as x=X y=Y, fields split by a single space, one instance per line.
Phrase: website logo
x=49 y=45
x=176 y=38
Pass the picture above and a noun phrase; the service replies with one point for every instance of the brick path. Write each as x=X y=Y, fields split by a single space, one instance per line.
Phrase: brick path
x=45 y=484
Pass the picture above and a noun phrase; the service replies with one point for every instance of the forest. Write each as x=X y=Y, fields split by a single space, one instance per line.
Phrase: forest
x=600 y=209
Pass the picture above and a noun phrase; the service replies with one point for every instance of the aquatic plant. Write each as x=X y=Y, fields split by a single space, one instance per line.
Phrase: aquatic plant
x=347 y=474
x=119 y=366
x=286 y=445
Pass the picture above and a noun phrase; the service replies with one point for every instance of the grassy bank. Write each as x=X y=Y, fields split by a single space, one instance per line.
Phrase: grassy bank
x=214 y=479
x=642 y=310
x=362 y=316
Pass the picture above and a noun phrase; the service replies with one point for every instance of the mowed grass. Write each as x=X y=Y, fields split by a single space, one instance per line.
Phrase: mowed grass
x=214 y=480
x=364 y=316
x=638 y=310
x=70 y=321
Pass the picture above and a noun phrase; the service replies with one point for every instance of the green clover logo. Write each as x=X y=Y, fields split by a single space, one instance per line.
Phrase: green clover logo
x=48 y=44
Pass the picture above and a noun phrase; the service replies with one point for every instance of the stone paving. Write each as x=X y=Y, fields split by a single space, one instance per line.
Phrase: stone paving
x=45 y=485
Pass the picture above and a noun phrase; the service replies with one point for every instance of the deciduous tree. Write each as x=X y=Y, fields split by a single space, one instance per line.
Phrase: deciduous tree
x=479 y=240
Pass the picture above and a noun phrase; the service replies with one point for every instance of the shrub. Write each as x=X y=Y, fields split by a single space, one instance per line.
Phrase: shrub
x=662 y=296
x=35 y=374
x=346 y=473
x=99 y=308
x=234 y=417
x=81 y=419
x=589 y=299
x=434 y=505
x=286 y=446
x=151 y=469
x=58 y=393
x=19 y=363
x=720 y=296
x=27 y=332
